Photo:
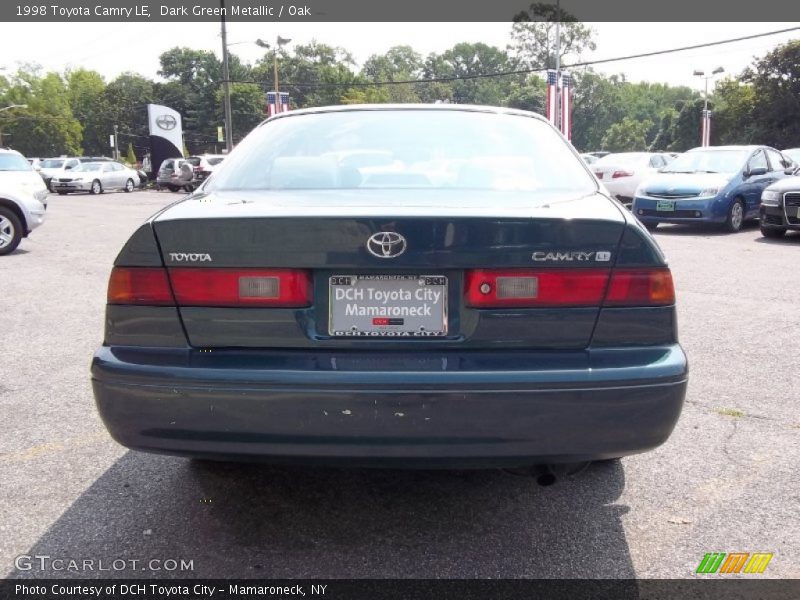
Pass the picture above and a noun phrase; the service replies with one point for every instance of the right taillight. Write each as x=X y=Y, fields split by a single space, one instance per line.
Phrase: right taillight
x=640 y=287
x=535 y=288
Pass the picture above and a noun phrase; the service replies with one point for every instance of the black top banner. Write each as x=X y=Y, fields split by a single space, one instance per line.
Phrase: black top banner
x=405 y=11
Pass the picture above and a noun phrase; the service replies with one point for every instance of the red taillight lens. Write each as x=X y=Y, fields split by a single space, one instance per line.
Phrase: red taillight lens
x=139 y=285
x=490 y=288
x=241 y=287
x=533 y=288
x=618 y=174
x=641 y=287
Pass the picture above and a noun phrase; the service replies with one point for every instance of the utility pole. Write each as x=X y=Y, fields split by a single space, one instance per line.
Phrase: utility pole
x=116 y=143
x=558 y=64
x=226 y=90
x=275 y=67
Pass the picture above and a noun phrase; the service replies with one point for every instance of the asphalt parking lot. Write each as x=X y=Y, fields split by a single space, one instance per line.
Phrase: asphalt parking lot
x=726 y=481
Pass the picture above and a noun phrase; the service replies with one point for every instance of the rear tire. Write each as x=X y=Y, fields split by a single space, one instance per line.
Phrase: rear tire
x=773 y=232
x=735 y=219
x=10 y=231
x=174 y=188
x=129 y=186
x=63 y=193
x=96 y=188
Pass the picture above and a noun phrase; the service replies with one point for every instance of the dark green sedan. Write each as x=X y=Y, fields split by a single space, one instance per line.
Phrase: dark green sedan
x=414 y=286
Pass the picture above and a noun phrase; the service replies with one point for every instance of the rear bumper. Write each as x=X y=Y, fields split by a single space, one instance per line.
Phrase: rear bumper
x=438 y=410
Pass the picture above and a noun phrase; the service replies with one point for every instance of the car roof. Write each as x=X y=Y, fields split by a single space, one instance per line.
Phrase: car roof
x=473 y=108
x=9 y=151
x=750 y=147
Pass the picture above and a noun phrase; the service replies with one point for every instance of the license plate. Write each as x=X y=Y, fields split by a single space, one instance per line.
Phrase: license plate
x=665 y=205
x=387 y=306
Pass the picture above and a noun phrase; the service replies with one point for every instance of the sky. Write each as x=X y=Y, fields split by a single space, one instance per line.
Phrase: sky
x=113 y=48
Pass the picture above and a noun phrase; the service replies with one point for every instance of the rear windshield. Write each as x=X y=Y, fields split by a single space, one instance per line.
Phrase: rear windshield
x=88 y=167
x=404 y=149
x=52 y=163
x=194 y=160
x=14 y=162
x=708 y=161
x=628 y=158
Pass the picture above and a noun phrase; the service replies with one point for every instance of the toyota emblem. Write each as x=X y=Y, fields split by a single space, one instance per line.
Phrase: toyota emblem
x=386 y=244
x=166 y=122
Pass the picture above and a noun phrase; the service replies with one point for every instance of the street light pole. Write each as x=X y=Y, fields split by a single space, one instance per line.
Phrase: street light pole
x=706 y=121
x=558 y=64
x=226 y=90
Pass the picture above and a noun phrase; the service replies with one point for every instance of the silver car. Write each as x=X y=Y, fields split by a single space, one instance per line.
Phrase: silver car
x=96 y=178
x=23 y=200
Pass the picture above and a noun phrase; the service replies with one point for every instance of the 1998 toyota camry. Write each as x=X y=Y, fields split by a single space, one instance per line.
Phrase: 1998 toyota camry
x=393 y=285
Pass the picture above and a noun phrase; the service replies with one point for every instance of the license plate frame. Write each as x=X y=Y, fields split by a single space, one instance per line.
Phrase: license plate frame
x=389 y=306
x=665 y=205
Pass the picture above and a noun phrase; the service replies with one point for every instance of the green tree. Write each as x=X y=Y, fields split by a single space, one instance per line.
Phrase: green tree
x=85 y=90
x=776 y=87
x=47 y=126
x=469 y=62
x=130 y=158
x=533 y=37
x=399 y=63
x=733 y=120
x=629 y=135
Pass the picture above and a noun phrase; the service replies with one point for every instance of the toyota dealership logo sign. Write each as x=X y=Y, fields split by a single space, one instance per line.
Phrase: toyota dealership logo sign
x=166 y=122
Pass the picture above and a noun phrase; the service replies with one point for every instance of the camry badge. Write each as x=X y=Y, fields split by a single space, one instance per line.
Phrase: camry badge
x=386 y=244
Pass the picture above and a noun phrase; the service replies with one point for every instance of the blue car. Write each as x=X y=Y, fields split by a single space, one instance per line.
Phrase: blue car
x=412 y=285
x=715 y=184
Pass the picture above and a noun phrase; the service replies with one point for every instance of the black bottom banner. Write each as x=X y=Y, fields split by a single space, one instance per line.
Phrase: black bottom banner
x=404 y=589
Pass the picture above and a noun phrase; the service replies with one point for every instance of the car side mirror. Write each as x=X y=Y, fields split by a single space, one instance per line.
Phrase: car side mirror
x=791 y=170
x=68 y=168
x=756 y=171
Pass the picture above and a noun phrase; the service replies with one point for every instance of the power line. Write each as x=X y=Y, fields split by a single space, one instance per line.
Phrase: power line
x=523 y=71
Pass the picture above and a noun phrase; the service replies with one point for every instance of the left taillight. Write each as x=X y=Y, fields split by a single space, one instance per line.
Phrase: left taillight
x=533 y=288
x=618 y=174
x=242 y=287
x=146 y=286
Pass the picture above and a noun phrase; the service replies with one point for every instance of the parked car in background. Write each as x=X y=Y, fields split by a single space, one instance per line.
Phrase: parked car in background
x=589 y=159
x=622 y=172
x=23 y=199
x=96 y=178
x=58 y=167
x=780 y=206
x=204 y=167
x=477 y=300
x=714 y=184
x=794 y=154
x=172 y=176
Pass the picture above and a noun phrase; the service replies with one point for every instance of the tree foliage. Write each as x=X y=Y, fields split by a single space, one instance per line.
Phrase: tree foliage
x=76 y=111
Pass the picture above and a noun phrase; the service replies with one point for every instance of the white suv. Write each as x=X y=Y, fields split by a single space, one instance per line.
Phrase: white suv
x=23 y=199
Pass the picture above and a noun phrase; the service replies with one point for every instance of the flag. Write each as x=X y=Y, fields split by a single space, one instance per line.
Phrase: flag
x=166 y=134
x=705 y=129
x=566 y=105
x=274 y=108
x=552 y=95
